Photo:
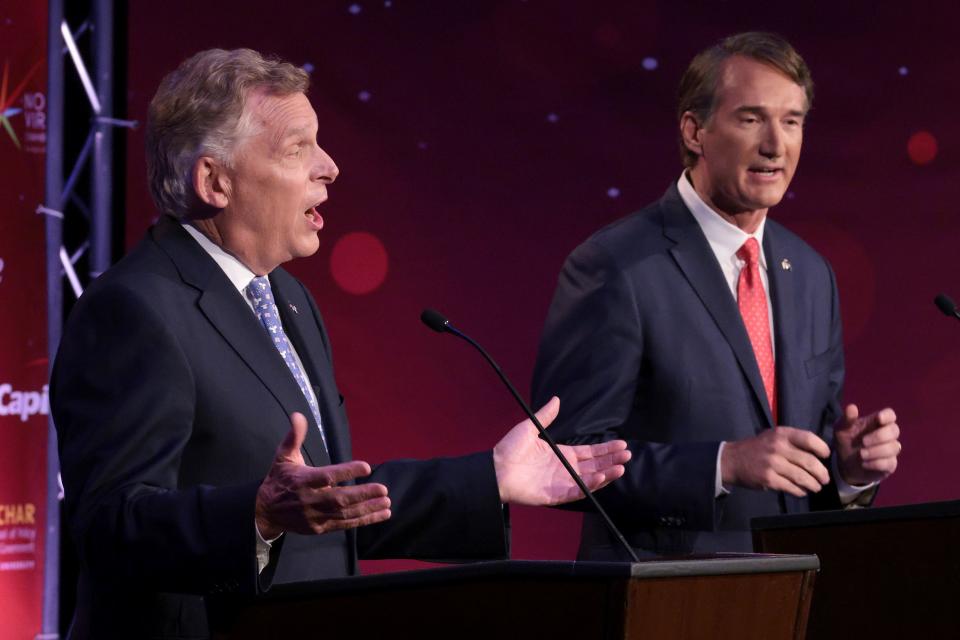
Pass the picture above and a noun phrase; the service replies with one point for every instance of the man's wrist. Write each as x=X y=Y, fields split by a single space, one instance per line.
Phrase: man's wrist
x=847 y=492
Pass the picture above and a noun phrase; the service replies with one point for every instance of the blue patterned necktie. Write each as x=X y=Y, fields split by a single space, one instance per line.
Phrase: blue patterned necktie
x=260 y=294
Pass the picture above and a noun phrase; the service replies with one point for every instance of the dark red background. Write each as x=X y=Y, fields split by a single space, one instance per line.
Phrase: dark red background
x=23 y=319
x=476 y=192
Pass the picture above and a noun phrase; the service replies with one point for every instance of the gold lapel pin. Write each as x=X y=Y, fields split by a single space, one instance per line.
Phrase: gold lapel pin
x=785 y=264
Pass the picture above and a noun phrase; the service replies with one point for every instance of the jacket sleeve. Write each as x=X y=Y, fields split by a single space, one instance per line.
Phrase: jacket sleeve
x=443 y=509
x=591 y=355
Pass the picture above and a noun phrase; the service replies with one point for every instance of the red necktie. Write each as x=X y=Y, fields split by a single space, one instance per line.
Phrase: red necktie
x=752 y=301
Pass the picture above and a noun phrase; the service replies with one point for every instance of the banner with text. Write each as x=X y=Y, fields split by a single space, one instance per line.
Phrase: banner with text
x=23 y=326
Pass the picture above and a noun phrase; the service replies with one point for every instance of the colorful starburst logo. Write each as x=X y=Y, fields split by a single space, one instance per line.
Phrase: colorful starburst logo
x=7 y=110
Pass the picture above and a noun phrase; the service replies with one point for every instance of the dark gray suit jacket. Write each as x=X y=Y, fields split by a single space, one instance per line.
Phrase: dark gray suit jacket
x=643 y=341
x=169 y=401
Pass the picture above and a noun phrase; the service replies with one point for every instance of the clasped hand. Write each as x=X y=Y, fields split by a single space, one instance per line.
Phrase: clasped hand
x=792 y=460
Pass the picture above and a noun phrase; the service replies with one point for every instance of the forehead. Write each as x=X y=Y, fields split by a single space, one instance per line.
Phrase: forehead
x=278 y=117
x=747 y=82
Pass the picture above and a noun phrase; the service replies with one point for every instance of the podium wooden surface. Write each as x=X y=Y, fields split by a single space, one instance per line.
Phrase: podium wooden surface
x=732 y=596
x=890 y=572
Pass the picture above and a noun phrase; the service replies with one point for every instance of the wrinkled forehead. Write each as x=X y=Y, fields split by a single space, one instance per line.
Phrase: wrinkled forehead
x=276 y=117
x=747 y=82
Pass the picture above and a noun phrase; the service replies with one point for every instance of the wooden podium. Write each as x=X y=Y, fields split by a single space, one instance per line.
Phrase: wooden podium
x=891 y=572
x=730 y=596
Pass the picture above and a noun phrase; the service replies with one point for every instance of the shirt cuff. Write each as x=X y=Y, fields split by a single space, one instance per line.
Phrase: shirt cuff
x=848 y=492
x=718 y=489
x=263 y=548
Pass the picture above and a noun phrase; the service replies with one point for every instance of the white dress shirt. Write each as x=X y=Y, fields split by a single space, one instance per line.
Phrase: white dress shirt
x=725 y=239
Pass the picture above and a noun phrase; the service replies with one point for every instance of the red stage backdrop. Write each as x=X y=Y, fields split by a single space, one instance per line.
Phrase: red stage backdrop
x=23 y=324
x=479 y=142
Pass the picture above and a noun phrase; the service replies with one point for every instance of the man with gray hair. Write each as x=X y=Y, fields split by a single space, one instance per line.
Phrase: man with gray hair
x=184 y=365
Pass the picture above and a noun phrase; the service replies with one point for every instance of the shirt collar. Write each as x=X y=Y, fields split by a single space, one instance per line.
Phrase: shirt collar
x=725 y=239
x=235 y=270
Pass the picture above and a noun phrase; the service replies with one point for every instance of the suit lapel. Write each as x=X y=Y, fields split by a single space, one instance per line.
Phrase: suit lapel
x=230 y=315
x=785 y=322
x=696 y=260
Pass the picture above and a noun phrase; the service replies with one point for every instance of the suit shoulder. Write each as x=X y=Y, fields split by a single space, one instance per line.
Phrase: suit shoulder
x=630 y=239
x=144 y=279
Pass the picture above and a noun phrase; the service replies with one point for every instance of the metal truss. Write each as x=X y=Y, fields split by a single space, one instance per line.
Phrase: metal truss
x=61 y=203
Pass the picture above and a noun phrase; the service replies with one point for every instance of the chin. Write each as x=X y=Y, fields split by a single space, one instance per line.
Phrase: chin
x=306 y=248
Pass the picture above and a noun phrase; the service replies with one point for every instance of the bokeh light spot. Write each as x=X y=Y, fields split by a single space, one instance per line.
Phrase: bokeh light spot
x=613 y=192
x=553 y=118
x=359 y=263
x=650 y=63
x=903 y=71
x=922 y=147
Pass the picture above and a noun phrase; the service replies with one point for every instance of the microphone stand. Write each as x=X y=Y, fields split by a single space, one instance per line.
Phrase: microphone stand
x=440 y=324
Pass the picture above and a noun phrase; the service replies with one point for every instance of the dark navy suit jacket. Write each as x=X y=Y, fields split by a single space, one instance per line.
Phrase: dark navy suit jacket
x=170 y=401
x=644 y=341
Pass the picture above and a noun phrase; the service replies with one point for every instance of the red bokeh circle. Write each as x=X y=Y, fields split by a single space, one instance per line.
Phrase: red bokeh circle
x=922 y=147
x=359 y=263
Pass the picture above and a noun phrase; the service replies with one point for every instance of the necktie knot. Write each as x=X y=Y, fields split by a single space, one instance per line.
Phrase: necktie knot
x=259 y=291
x=750 y=251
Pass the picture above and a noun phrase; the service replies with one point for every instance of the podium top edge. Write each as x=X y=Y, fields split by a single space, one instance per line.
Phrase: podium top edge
x=720 y=564
x=922 y=511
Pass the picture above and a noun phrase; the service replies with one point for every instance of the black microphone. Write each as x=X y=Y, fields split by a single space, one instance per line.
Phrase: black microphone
x=436 y=321
x=943 y=302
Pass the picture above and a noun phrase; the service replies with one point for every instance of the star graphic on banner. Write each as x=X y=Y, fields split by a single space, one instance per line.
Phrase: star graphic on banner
x=6 y=110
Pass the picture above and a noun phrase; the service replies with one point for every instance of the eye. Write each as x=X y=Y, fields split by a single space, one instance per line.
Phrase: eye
x=295 y=151
x=749 y=119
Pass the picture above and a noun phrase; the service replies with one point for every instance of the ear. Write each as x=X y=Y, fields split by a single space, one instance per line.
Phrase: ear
x=691 y=132
x=210 y=182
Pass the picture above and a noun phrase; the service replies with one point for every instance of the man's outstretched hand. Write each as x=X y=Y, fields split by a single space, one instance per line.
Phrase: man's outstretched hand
x=529 y=473
x=302 y=499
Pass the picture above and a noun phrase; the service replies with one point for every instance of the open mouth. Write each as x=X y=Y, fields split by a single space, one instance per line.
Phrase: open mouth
x=765 y=172
x=314 y=218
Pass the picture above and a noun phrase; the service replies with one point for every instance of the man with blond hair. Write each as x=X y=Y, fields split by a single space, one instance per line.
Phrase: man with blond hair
x=184 y=366
x=708 y=336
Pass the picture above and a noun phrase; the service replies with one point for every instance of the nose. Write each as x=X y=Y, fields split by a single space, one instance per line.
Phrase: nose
x=325 y=169
x=773 y=143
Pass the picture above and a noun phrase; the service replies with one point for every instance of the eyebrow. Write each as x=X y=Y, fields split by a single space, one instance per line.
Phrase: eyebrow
x=760 y=111
x=289 y=134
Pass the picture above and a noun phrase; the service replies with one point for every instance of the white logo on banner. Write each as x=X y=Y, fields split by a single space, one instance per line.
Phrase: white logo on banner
x=35 y=117
x=23 y=403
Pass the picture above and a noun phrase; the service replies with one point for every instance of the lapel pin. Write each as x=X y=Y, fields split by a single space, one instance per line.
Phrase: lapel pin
x=293 y=307
x=785 y=264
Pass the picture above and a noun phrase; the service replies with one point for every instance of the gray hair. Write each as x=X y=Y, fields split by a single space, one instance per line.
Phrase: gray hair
x=199 y=110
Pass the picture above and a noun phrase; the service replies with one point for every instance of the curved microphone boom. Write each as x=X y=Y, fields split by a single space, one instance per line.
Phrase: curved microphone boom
x=436 y=321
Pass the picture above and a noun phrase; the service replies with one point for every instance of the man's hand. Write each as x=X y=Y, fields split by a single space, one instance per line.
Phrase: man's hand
x=529 y=473
x=782 y=459
x=867 y=448
x=295 y=497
